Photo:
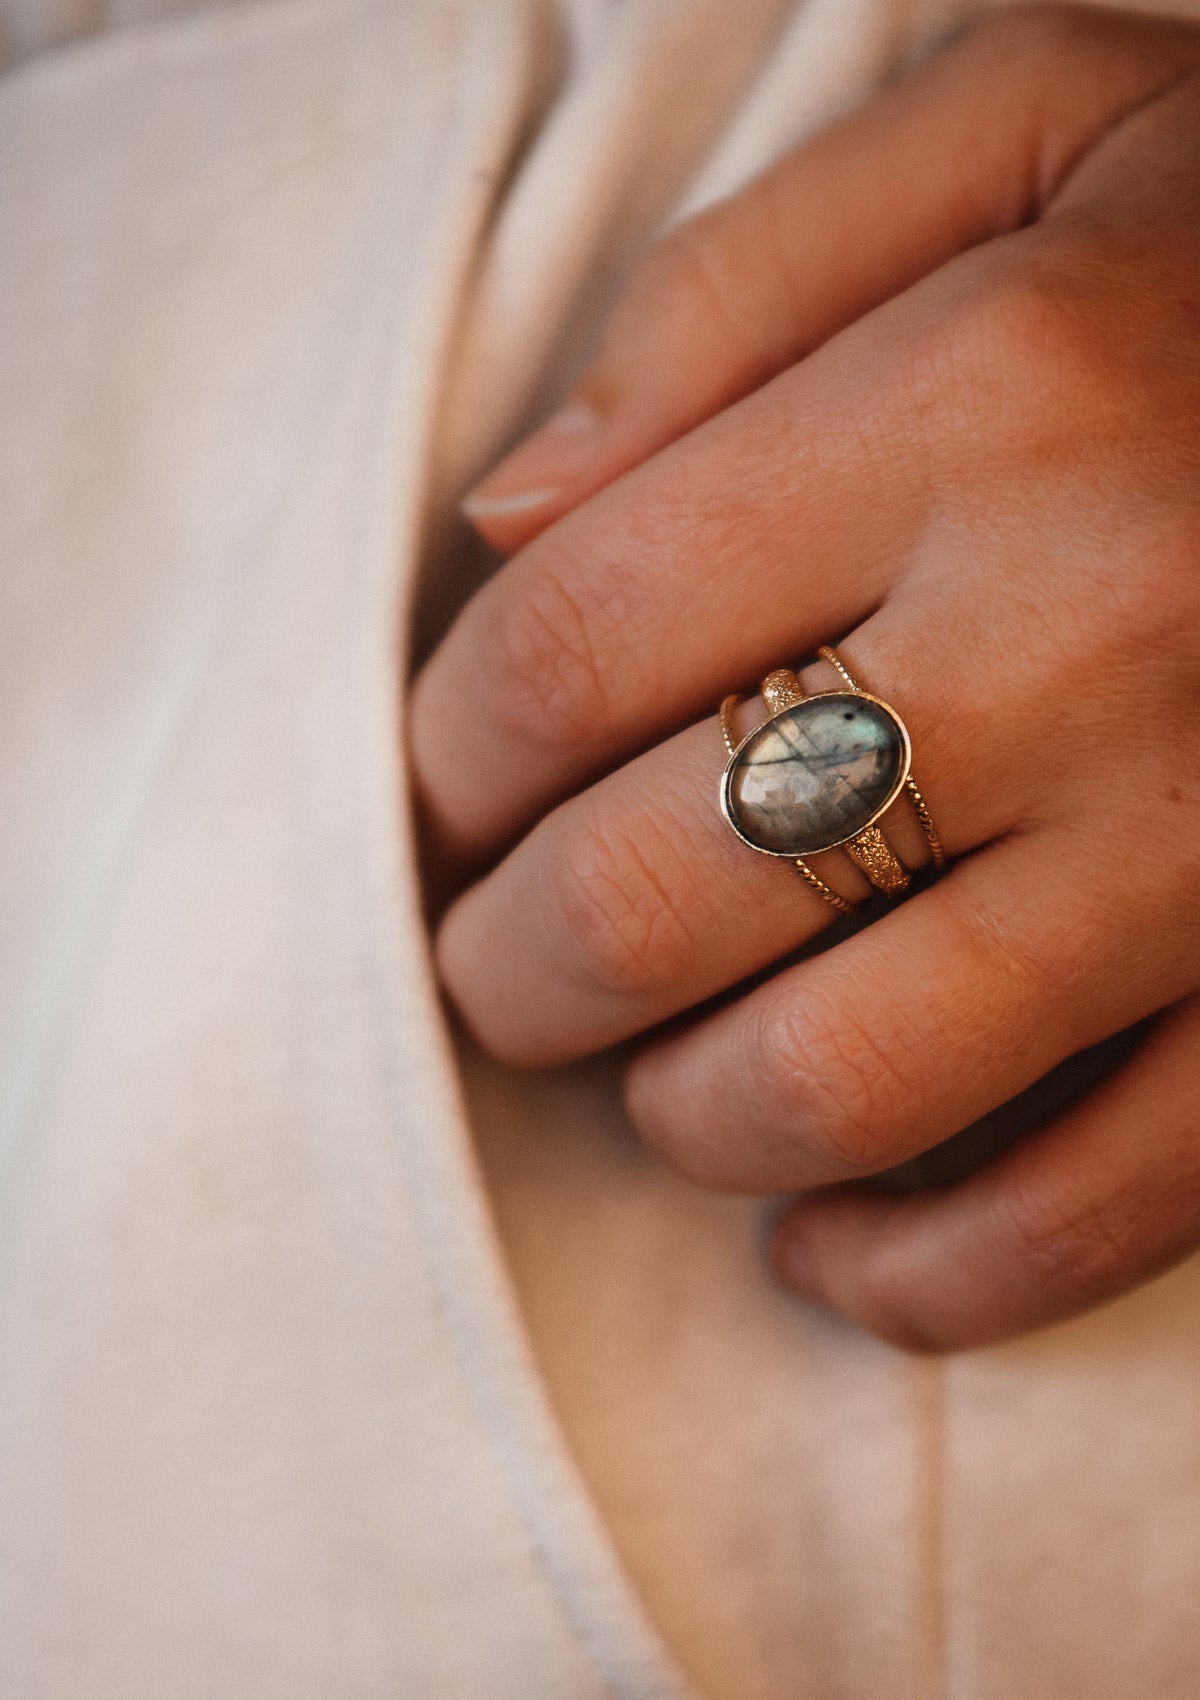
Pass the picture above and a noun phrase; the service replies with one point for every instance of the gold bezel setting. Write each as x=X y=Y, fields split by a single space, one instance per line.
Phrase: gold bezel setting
x=902 y=777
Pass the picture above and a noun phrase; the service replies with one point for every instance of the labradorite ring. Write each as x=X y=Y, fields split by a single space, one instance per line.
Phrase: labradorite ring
x=818 y=774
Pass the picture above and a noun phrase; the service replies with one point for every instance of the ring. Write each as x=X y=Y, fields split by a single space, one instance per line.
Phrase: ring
x=818 y=774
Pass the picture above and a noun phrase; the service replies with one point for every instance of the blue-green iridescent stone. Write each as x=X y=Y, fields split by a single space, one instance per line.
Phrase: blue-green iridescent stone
x=816 y=774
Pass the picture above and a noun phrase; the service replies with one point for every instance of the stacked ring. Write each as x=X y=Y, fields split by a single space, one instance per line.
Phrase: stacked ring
x=818 y=774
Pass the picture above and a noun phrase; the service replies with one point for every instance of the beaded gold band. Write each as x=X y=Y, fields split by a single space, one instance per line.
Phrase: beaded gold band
x=818 y=774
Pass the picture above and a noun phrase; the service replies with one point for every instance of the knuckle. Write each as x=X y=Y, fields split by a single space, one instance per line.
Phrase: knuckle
x=1015 y=973
x=1077 y=1246
x=843 y=1085
x=1042 y=326
x=1043 y=360
x=629 y=909
x=702 y=275
x=549 y=679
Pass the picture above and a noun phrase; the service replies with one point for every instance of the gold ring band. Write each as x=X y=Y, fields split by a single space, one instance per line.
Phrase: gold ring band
x=804 y=781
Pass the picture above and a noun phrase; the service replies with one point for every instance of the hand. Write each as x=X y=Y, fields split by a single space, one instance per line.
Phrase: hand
x=933 y=382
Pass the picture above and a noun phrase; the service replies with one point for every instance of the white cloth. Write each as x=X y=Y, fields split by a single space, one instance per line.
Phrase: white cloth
x=303 y=1395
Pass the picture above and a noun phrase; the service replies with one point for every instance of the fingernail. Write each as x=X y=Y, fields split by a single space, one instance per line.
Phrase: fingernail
x=541 y=469
x=481 y=506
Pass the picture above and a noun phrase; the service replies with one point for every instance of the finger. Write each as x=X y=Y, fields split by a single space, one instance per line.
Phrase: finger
x=908 y=1032
x=972 y=145
x=1104 y=1198
x=634 y=901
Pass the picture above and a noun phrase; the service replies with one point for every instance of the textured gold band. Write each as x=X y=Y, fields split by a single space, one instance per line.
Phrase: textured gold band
x=875 y=856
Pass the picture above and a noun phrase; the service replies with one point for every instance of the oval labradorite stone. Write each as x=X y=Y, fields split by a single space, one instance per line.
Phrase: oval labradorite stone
x=816 y=774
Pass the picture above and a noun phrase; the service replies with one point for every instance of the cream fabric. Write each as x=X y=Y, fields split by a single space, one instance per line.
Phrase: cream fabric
x=305 y=1394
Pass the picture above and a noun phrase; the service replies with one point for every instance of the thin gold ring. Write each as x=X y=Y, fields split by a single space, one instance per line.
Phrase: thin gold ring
x=805 y=781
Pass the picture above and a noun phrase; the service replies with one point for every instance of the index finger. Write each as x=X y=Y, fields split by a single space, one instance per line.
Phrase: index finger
x=975 y=142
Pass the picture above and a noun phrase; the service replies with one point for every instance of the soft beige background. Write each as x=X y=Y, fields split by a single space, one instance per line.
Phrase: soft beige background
x=278 y=1419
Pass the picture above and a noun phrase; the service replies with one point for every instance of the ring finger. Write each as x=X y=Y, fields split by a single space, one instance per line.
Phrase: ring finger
x=634 y=901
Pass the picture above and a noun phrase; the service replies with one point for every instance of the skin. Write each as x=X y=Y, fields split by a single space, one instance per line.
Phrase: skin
x=930 y=386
